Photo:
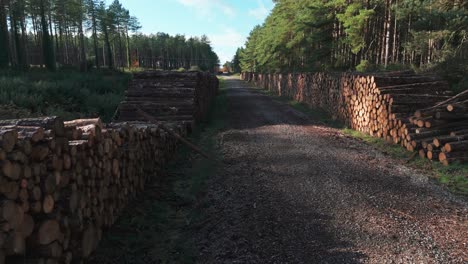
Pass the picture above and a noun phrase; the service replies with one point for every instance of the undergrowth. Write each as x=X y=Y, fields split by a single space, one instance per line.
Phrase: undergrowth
x=66 y=93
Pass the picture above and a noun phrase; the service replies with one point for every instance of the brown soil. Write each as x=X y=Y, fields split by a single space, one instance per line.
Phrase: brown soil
x=296 y=192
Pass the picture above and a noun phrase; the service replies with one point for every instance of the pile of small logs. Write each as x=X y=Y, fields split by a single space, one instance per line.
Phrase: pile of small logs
x=442 y=130
x=63 y=183
x=169 y=96
x=382 y=105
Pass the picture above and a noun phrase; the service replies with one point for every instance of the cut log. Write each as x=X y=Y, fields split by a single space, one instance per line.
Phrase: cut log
x=84 y=122
x=11 y=169
x=40 y=152
x=456 y=146
x=48 y=204
x=440 y=141
x=27 y=226
x=89 y=241
x=433 y=154
x=35 y=134
x=49 y=231
x=55 y=124
x=12 y=213
x=16 y=244
x=8 y=139
x=53 y=250
x=453 y=155
x=450 y=116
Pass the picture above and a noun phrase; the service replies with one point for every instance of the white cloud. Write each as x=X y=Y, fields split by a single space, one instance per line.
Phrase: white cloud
x=261 y=12
x=229 y=38
x=206 y=7
x=224 y=56
x=226 y=42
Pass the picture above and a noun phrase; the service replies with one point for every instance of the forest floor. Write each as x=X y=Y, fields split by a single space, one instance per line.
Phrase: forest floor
x=285 y=188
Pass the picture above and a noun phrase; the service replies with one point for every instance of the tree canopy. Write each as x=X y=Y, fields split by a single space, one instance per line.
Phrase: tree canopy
x=311 y=35
x=88 y=33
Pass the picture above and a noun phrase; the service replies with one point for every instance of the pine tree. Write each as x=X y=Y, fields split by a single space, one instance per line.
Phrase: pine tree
x=47 y=44
x=4 y=37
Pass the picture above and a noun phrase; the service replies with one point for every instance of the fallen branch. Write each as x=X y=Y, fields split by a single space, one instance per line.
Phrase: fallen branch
x=172 y=133
x=451 y=99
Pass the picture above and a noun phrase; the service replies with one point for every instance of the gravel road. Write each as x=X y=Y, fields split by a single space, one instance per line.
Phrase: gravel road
x=296 y=192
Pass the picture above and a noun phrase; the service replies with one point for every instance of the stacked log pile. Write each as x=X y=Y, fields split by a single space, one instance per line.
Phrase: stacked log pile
x=442 y=130
x=383 y=105
x=63 y=183
x=169 y=96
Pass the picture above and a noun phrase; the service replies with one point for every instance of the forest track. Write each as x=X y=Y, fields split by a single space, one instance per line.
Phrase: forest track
x=297 y=192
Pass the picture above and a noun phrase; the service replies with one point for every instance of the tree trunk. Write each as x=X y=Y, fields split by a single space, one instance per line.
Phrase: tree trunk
x=95 y=41
x=48 y=48
x=129 y=59
x=83 y=63
x=57 y=47
x=4 y=38
x=51 y=32
x=121 y=64
x=388 y=21
x=20 y=58
x=24 y=37
x=110 y=61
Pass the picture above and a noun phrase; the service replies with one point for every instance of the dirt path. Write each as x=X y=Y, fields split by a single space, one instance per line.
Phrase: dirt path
x=296 y=192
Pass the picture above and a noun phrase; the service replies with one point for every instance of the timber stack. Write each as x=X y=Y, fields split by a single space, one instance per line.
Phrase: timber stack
x=442 y=130
x=401 y=107
x=64 y=183
x=169 y=96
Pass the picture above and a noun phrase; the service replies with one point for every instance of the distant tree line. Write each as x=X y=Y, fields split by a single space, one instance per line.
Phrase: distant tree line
x=88 y=33
x=173 y=52
x=302 y=35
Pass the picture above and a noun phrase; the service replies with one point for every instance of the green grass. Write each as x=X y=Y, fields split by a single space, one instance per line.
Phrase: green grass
x=160 y=223
x=454 y=176
x=67 y=93
x=394 y=150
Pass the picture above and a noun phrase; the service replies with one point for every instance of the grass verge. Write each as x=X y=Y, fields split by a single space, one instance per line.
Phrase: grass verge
x=455 y=176
x=158 y=227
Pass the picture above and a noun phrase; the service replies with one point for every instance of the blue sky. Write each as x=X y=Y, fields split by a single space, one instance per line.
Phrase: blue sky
x=227 y=23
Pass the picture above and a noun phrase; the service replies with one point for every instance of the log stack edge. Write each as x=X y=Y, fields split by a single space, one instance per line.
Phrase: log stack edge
x=417 y=111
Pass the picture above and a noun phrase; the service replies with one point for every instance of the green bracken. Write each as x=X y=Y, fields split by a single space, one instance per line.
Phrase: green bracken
x=69 y=94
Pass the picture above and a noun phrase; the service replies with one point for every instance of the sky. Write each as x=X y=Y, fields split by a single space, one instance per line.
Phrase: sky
x=227 y=23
